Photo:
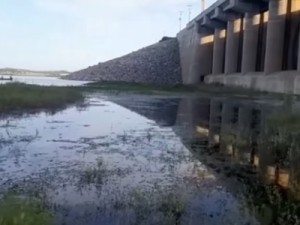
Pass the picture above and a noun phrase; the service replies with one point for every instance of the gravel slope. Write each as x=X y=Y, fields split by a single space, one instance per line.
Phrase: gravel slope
x=156 y=64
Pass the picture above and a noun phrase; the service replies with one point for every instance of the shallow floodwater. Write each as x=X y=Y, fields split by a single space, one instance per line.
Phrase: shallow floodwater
x=130 y=159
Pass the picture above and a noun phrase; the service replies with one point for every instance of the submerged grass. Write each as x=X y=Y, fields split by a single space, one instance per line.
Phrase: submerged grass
x=18 y=211
x=94 y=175
x=165 y=206
x=17 y=97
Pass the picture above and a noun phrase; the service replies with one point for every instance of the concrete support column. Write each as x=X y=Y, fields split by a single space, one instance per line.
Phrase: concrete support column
x=295 y=9
x=219 y=51
x=250 y=43
x=232 y=46
x=298 y=64
x=201 y=59
x=275 y=35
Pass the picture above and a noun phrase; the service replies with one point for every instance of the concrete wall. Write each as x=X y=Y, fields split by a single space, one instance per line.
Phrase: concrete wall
x=280 y=82
x=260 y=49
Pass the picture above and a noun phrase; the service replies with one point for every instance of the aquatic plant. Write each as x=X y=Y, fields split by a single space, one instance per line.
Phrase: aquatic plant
x=21 y=211
x=280 y=143
x=94 y=175
x=165 y=205
x=271 y=205
x=173 y=207
x=281 y=138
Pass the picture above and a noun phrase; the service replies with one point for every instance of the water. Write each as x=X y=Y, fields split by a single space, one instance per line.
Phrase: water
x=121 y=158
x=44 y=81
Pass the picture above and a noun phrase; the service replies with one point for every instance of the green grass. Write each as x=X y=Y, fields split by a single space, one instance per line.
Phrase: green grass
x=18 y=211
x=17 y=97
x=140 y=88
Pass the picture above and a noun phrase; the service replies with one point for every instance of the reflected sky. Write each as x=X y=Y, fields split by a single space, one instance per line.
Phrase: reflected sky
x=90 y=162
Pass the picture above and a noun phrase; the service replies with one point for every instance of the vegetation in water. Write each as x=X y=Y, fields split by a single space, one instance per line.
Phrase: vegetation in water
x=165 y=206
x=173 y=89
x=17 y=97
x=139 y=88
x=281 y=139
x=94 y=175
x=280 y=143
x=20 y=211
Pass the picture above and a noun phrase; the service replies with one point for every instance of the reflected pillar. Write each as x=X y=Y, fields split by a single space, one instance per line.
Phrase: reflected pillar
x=250 y=151
x=250 y=43
x=275 y=35
x=215 y=120
x=219 y=51
x=227 y=129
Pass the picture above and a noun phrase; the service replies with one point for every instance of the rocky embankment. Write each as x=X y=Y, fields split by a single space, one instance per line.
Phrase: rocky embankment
x=156 y=64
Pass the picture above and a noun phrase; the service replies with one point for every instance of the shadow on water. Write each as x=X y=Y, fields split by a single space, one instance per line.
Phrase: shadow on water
x=137 y=159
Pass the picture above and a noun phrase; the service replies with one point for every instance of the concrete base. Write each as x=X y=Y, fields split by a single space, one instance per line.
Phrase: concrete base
x=282 y=82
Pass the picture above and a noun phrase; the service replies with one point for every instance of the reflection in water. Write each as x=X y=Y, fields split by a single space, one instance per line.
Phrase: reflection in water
x=163 y=161
x=256 y=143
x=237 y=138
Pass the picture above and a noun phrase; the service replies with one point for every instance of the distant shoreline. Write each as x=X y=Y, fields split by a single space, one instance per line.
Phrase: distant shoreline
x=32 y=75
x=23 y=72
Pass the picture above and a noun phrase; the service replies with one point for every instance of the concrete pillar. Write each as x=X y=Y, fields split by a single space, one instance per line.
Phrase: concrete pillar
x=262 y=41
x=250 y=44
x=219 y=51
x=201 y=59
x=232 y=46
x=298 y=64
x=275 y=35
x=295 y=10
x=206 y=54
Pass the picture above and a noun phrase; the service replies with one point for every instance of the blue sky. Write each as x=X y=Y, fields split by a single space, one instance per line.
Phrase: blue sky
x=74 y=34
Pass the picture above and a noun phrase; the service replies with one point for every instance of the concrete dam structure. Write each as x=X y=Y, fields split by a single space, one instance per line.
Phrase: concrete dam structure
x=247 y=43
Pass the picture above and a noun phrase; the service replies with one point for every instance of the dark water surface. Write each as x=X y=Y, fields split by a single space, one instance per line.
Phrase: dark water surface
x=136 y=159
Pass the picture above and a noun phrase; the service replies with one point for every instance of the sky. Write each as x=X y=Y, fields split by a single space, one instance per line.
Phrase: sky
x=74 y=34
